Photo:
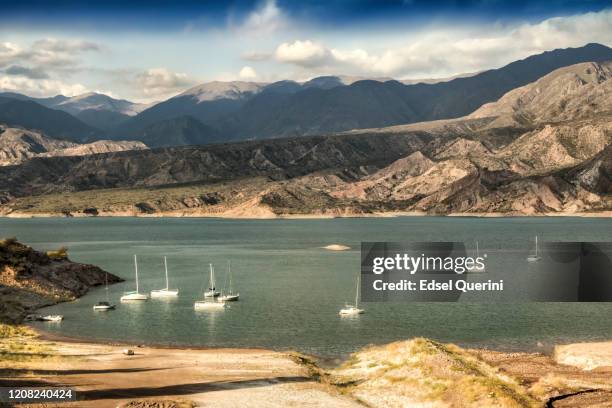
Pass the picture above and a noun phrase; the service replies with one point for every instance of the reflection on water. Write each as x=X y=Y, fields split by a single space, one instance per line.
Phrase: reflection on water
x=291 y=289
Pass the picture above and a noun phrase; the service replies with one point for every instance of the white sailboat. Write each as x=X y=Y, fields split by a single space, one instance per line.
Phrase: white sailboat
x=212 y=291
x=134 y=295
x=351 y=310
x=166 y=292
x=230 y=296
x=104 y=305
x=534 y=257
x=475 y=267
x=210 y=302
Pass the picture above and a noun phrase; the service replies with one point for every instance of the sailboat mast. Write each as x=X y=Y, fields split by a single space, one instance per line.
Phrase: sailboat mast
x=357 y=291
x=166 y=269
x=106 y=284
x=229 y=268
x=536 y=245
x=136 y=272
x=477 y=253
x=211 y=280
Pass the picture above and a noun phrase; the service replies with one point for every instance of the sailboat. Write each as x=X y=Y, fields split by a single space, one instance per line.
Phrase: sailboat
x=211 y=292
x=475 y=267
x=351 y=310
x=207 y=303
x=134 y=295
x=166 y=292
x=104 y=305
x=534 y=257
x=230 y=296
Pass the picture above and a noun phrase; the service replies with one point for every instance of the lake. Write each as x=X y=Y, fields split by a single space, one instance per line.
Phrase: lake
x=291 y=289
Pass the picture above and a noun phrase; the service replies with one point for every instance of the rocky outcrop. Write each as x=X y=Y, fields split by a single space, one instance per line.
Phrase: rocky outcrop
x=18 y=145
x=31 y=279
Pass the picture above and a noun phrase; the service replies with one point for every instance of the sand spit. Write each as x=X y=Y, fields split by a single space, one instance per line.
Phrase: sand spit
x=337 y=247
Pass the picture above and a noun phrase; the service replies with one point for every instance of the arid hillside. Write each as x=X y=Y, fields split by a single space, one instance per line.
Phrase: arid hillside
x=542 y=148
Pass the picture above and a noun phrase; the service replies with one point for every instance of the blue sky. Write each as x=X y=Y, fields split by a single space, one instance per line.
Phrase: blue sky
x=148 y=51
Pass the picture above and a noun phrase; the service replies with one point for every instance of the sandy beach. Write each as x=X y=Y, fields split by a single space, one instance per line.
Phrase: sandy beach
x=105 y=377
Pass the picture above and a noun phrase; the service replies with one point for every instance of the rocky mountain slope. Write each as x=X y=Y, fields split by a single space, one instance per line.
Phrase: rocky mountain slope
x=242 y=110
x=510 y=157
x=232 y=111
x=18 y=145
x=31 y=279
x=94 y=109
x=98 y=102
x=54 y=123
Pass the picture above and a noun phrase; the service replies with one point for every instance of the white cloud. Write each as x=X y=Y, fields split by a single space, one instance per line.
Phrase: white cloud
x=55 y=45
x=303 y=53
x=47 y=53
x=247 y=73
x=162 y=83
x=444 y=51
x=265 y=19
x=38 y=87
x=9 y=53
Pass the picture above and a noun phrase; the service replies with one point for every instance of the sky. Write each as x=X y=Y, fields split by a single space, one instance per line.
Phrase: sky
x=153 y=50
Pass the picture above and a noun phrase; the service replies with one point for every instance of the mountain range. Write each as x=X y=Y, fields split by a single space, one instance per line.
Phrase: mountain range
x=219 y=112
x=542 y=147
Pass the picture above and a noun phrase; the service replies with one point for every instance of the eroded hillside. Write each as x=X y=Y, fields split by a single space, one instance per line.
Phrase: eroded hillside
x=542 y=148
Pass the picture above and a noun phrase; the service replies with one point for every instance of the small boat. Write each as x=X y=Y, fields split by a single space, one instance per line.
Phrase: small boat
x=104 y=305
x=136 y=295
x=352 y=310
x=209 y=302
x=230 y=296
x=51 y=318
x=476 y=268
x=212 y=291
x=166 y=292
x=534 y=257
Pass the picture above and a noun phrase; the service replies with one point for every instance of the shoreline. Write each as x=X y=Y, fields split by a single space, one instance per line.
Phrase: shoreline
x=20 y=215
x=49 y=336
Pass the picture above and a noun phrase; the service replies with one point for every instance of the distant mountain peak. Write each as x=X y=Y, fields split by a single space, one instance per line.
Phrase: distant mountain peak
x=214 y=90
x=98 y=101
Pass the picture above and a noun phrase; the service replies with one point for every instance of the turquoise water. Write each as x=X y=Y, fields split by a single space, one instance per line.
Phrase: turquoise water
x=291 y=289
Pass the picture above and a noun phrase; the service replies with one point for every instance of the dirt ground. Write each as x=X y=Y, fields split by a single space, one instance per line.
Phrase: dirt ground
x=104 y=377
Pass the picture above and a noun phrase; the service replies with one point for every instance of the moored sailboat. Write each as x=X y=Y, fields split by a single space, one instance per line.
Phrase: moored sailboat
x=136 y=295
x=166 y=292
x=210 y=302
x=104 y=305
x=534 y=257
x=230 y=296
x=212 y=290
x=351 y=310
x=475 y=267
